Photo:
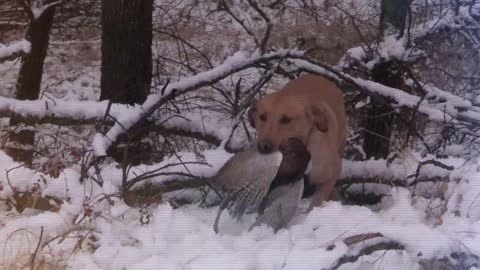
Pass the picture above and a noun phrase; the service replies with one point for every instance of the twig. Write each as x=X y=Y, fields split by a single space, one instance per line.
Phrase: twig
x=34 y=255
x=426 y=162
x=223 y=6
x=268 y=22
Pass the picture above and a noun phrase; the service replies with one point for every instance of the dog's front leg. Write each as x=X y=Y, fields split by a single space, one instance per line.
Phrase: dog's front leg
x=323 y=193
x=324 y=179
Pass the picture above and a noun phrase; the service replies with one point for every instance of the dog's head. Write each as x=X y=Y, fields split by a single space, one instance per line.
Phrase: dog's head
x=277 y=117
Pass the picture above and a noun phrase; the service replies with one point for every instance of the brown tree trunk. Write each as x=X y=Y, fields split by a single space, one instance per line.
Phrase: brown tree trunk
x=127 y=66
x=126 y=50
x=393 y=17
x=29 y=80
x=380 y=119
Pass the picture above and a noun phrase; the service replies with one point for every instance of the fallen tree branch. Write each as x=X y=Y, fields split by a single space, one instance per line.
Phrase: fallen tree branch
x=368 y=247
x=351 y=240
x=389 y=182
x=54 y=112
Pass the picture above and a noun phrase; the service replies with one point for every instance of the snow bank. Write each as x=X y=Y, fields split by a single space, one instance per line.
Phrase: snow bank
x=183 y=238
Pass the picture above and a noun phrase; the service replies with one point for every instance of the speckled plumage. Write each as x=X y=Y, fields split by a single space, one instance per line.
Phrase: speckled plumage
x=268 y=184
x=244 y=180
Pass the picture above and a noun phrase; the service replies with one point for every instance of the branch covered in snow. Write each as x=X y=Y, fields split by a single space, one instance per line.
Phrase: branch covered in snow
x=453 y=108
x=239 y=61
x=242 y=60
x=14 y=50
x=453 y=18
x=448 y=107
x=405 y=170
x=36 y=9
x=369 y=243
x=68 y=113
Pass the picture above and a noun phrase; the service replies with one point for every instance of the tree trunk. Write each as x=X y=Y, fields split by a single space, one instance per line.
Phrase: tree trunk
x=380 y=118
x=29 y=80
x=127 y=66
x=393 y=17
x=126 y=50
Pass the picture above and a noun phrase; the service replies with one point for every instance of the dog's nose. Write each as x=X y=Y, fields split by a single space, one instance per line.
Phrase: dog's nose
x=265 y=146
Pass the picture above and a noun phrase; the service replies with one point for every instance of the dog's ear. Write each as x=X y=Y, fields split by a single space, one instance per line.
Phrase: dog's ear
x=251 y=113
x=318 y=116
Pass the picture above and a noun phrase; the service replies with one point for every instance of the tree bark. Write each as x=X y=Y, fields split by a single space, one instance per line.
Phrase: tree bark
x=126 y=50
x=127 y=66
x=380 y=118
x=393 y=17
x=29 y=80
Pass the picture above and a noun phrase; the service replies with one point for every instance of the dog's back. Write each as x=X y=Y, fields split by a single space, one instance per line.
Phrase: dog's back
x=311 y=90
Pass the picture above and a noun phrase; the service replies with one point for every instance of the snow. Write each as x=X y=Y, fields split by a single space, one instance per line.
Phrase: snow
x=38 y=8
x=84 y=110
x=184 y=237
x=15 y=47
x=457 y=150
x=90 y=111
x=477 y=100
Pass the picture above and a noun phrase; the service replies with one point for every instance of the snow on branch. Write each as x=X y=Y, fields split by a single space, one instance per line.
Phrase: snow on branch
x=393 y=47
x=67 y=113
x=408 y=169
x=447 y=107
x=38 y=8
x=451 y=108
x=239 y=61
x=363 y=245
x=79 y=110
x=14 y=50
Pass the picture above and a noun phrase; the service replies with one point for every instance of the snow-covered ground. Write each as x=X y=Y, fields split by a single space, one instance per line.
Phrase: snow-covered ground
x=93 y=229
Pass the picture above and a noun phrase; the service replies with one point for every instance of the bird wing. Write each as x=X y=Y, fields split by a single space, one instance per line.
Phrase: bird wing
x=280 y=205
x=244 y=180
x=246 y=171
x=256 y=178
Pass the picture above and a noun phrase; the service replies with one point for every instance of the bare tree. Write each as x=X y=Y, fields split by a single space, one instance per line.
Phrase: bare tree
x=31 y=71
x=380 y=118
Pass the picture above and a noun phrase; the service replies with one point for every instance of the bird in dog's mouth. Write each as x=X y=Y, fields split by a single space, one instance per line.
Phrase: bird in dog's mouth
x=270 y=185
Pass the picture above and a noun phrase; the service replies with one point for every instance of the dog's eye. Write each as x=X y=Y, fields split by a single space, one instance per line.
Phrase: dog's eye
x=285 y=119
x=263 y=117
